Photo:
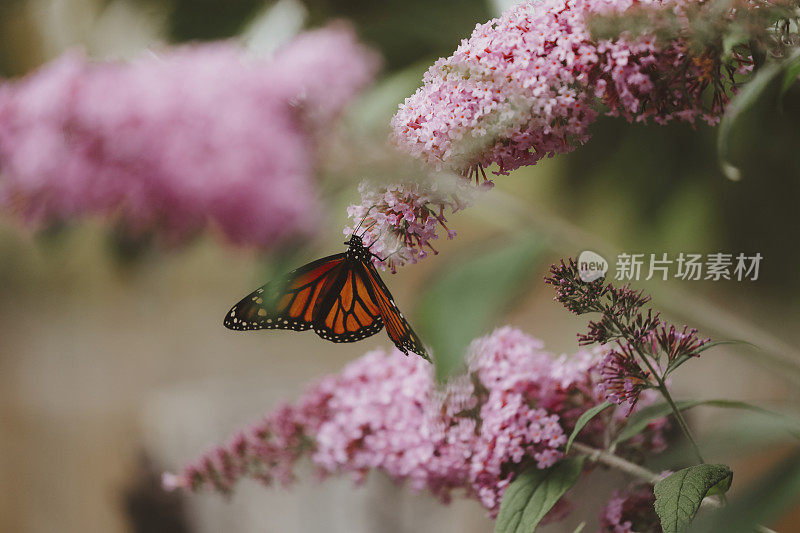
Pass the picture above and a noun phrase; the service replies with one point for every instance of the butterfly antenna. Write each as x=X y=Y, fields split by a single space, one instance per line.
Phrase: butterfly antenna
x=376 y=240
x=363 y=219
x=368 y=228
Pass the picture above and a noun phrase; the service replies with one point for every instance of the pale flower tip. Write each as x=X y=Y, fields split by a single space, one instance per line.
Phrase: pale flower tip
x=171 y=482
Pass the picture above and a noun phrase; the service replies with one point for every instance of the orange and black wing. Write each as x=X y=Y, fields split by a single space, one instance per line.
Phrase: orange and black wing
x=396 y=325
x=349 y=311
x=288 y=303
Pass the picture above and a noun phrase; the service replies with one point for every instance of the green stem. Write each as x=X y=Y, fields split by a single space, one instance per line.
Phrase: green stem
x=662 y=388
x=623 y=465
x=681 y=421
x=615 y=461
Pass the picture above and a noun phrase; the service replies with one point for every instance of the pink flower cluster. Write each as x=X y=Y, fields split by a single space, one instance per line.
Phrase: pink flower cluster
x=195 y=136
x=623 y=380
x=514 y=409
x=401 y=220
x=630 y=511
x=527 y=85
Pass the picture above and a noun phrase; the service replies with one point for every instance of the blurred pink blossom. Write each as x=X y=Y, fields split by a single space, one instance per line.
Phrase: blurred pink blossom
x=528 y=84
x=514 y=409
x=194 y=136
x=630 y=511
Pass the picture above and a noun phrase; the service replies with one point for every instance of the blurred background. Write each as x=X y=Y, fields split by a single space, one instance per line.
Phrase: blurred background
x=114 y=365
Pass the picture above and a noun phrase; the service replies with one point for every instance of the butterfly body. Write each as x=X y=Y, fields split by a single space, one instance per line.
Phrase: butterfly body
x=341 y=297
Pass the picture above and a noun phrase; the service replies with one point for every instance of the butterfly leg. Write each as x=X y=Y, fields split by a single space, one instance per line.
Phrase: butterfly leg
x=382 y=259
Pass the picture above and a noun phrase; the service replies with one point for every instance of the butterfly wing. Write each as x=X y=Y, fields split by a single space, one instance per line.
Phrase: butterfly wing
x=343 y=299
x=288 y=303
x=349 y=311
x=397 y=326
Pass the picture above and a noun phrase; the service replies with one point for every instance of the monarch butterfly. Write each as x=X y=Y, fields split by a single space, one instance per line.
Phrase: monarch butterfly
x=341 y=297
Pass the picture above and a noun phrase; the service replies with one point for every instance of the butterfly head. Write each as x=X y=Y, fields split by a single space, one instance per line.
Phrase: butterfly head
x=355 y=242
x=356 y=248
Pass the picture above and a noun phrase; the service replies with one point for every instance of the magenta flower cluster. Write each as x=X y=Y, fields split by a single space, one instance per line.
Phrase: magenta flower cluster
x=638 y=341
x=527 y=85
x=623 y=380
x=175 y=141
x=513 y=410
x=399 y=221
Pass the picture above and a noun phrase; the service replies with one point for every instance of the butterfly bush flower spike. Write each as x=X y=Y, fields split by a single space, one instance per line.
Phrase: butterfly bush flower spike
x=193 y=136
x=400 y=221
x=528 y=85
x=639 y=342
x=512 y=410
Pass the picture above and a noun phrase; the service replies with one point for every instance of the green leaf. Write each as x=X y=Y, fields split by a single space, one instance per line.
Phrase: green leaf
x=678 y=361
x=675 y=363
x=529 y=497
x=743 y=102
x=580 y=527
x=764 y=500
x=466 y=296
x=678 y=496
x=584 y=419
x=720 y=488
x=638 y=421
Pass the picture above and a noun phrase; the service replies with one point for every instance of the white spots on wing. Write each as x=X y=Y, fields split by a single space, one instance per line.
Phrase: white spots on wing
x=350 y=336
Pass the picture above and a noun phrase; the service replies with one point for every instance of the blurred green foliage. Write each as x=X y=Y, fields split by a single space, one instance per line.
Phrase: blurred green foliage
x=403 y=31
x=674 y=197
x=464 y=298
x=210 y=19
x=406 y=30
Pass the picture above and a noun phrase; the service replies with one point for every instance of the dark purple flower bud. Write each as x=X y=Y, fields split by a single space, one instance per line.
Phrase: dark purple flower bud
x=622 y=379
